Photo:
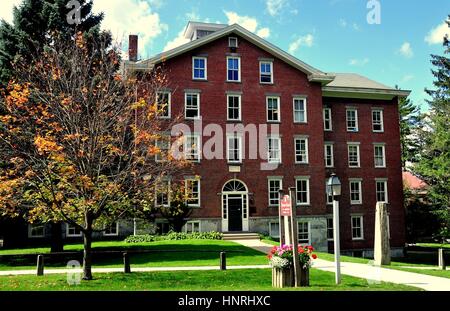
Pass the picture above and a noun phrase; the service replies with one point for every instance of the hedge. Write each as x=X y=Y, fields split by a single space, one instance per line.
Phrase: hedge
x=175 y=236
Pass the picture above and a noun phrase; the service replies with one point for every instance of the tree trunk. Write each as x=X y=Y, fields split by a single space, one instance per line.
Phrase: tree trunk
x=87 y=255
x=57 y=244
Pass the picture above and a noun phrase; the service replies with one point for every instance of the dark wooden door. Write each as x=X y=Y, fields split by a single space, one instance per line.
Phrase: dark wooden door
x=235 y=213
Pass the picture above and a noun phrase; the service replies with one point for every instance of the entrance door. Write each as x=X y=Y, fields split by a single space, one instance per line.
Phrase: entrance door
x=234 y=213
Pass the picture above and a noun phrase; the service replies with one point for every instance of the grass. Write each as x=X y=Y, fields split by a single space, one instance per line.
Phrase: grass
x=433 y=245
x=432 y=272
x=234 y=280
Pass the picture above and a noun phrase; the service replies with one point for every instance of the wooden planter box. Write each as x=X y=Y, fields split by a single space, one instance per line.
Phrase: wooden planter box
x=282 y=278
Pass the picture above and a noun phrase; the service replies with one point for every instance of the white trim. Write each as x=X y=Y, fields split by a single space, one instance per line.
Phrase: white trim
x=236 y=40
x=113 y=234
x=381 y=119
x=299 y=221
x=278 y=139
x=305 y=105
x=72 y=235
x=206 y=68
x=363 y=93
x=198 y=147
x=356 y=120
x=308 y=191
x=385 y=181
x=239 y=138
x=239 y=109
x=306 y=150
x=186 y=180
x=332 y=154
x=269 y=179
x=192 y=222
x=359 y=182
x=160 y=140
x=358 y=151
x=271 y=71
x=169 y=104
x=361 y=226
x=239 y=68
x=30 y=231
x=331 y=120
x=167 y=183
x=375 y=146
x=198 y=105
x=278 y=98
x=245 y=205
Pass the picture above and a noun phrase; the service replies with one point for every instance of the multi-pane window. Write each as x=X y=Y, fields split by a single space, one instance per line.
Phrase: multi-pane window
x=266 y=72
x=273 y=109
x=234 y=148
x=327 y=121
x=381 y=190
x=163 y=104
x=72 y=231
x=302 y=190
x=192 y=226
x=36 y=230
x=192 y=148
x=192 y=105
x=352 y=120
x=274 y=149
x=377 y=120
x=234 y=107
x=353 y=155
x=275 y=184
x=163 y=146
x=357 y=228
x=162 y=194
x=330 y=229
x=303 y=232
x=301 y=150
x=192 y=188
x=274 y=229
x=233 y=69
x=112 y=230
x=199 y=68
x=300 y=115
x=379 y=156
x=355 y=192
x=329 y=155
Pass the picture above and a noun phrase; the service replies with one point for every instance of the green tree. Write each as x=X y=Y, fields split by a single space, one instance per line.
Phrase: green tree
x=409 y=121
x=434 y=159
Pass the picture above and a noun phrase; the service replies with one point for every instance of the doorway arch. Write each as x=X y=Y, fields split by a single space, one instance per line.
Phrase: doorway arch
x=234 y=206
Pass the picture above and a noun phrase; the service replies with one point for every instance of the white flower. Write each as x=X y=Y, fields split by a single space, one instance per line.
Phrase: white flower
x=280 y=263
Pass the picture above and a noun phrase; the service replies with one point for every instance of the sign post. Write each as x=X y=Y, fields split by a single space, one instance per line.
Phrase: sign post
x=294 y=236
x=285 y=209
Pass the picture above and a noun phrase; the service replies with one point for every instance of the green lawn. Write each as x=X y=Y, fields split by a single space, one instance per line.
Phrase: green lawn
x=235 y=280
x=433 y=245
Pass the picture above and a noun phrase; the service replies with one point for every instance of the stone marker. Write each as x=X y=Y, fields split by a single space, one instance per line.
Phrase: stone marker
x=40 y=265
x=382 y=249
x=441 y=255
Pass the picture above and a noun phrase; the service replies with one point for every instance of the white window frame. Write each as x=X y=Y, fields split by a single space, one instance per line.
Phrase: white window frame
x=330 y=228
x=361 y=218
x=326 y=154
x=301 y=241
x=193 y=68
x=261 y=73
x=169 y=104
x=299 y=152
x=239 y=68
x=383 y=147
x=160 y=157
x=32 y=227
x=229 y=42
x=270 y=179
x=186 y=105
x=278 y=140
x=239 y=138
x=167 y=183
x=239 y=107
x=385 y=182
x=69 y=235
x=192 y=223
x=112 y=234
x=278 y=110
x=186 y=185
x=325 y=120
x=198 y=150
x=305 y=108
x=381 y=121
x=356 y=129
x=359 y=182
x=308 y=191
x=357 y=145
x=271 y=231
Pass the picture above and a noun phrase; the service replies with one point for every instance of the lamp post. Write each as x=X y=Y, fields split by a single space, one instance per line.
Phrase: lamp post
x=334 y=189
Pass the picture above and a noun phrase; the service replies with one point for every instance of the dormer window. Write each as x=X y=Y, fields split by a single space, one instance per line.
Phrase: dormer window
x=232 y=42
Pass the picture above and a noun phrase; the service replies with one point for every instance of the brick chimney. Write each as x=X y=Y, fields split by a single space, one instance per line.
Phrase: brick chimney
x=133 y=48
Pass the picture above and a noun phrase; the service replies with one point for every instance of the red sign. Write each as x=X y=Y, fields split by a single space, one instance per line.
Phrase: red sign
x=285 y=209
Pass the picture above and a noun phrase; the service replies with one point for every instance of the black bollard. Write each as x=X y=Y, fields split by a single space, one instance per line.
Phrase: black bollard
x=40 y=265
x=223 y=261
x=126 y=263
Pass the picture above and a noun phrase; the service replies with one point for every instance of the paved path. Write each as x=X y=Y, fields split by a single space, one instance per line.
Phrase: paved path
x=373 y=274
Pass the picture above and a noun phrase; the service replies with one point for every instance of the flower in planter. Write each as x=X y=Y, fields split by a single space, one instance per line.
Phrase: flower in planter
x=281 y=257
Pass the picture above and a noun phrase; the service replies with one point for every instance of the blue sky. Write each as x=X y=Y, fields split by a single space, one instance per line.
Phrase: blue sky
x=332 y=35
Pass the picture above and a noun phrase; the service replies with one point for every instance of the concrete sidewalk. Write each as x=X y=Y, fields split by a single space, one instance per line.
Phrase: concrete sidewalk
x=372 y=273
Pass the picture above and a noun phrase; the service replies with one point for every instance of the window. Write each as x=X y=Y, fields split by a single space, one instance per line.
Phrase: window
x=234 y=69
x=329 y=195
x=379 y=156
x=234 y=147
x=266 y=72
x=274 y=229
x=163 y=104
x=377 y=120
x=301 y=150
x=36 y=231
x=381 y=190
x=303 y=232
x=274 y=149
x=163 y=145
x=300 y=110
x=352 y=120
x=192 y=192
x=112 y=230
x=192 y=105
x=353 y=155
x=192 y=226
x=275 y=184
x=355 y=192
x=192 y=148
x=357 y=228
x=162 y=228
x=234 y=107
x=302 y=190
x=273 y=109
x=327 y=121
x=232 y=42
x=199 y=68
x=162 y=195
x=72 y=231
x=329 y=155
x=330 y=229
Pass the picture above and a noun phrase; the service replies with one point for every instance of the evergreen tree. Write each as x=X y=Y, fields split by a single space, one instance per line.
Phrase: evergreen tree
x=409 y=121
x=434 y=161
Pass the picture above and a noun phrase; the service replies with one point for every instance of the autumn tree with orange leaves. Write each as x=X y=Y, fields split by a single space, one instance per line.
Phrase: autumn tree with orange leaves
x=78 y=139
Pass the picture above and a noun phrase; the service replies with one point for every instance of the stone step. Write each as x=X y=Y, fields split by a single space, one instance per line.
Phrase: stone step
x=240 y=236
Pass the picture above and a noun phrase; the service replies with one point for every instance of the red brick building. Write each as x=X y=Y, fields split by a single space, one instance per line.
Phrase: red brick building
x=328 y=122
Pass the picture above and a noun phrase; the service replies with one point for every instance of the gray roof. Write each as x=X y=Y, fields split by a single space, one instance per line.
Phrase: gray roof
x=356 y=81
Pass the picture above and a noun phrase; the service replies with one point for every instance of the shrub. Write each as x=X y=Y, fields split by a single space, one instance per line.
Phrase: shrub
x=175 y=236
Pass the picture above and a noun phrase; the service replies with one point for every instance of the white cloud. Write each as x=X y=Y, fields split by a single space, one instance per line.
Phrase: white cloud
x=6 y=9
x=132 y=17
x=192 y=16
x=179 y=40
x=263 y=32
x=356 y=27
x=307 y=40
x=342 y=23
x=437 y=34
x=406 y=50
x=249 y=23
x=358 y=62
x=294 y=12
x=275 y=6
x=407 y=78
